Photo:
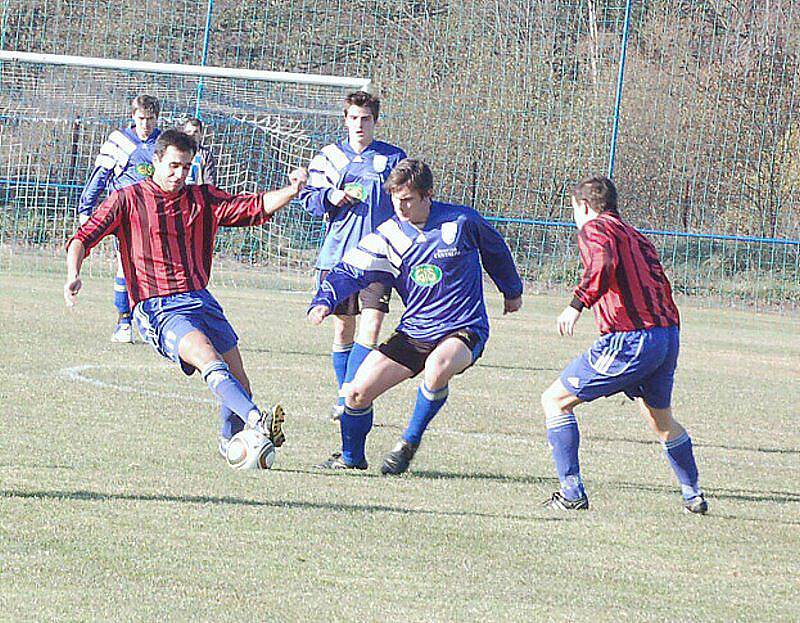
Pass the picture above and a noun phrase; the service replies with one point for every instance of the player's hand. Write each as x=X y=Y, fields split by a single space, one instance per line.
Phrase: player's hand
x=318 y=314
x=298 y=179
x=339 y=198
x=567 y=319
x=71 y=289
x=511 y=305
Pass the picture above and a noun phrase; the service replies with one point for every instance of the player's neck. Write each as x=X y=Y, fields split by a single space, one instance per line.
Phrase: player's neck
x=359 y=144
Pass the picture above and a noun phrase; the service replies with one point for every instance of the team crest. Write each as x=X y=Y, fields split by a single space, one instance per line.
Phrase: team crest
x=449 y=231
x=355 y=190
x=426 y=275
x=145 y=170
x=379 y=163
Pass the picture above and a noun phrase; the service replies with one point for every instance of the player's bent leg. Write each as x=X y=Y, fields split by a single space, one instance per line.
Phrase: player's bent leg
x=678 y=447
x=229 y=422
x=272 y=423
x=197 y=350
x=123 y=332
x=369 y=328
x=344 y=329
x=563 y=437
x=378 y=374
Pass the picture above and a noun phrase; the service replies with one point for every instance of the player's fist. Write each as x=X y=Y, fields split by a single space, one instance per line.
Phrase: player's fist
x=298 y=179
x=567 y=319
x=318 y=313
x=511 y=305
x=71 y=289
x=339 y=198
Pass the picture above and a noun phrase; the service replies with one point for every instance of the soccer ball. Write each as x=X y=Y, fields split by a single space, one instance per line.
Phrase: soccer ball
x=250 y=449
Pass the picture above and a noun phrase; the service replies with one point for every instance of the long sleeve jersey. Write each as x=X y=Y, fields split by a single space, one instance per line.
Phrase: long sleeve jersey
x=338 y=167
x=435 y=270
x=123 y=159
x=623 y=280
x=166 y=240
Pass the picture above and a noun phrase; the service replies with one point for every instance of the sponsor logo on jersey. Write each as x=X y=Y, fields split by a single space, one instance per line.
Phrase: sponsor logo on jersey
x=354 y=189
x=426 y=275
x=449 y=231
x=449 y=252
x=379 y=163
x=145 y=169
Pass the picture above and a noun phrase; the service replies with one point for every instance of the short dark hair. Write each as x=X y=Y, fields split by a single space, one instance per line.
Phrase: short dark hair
x=192 y=121
x=146 y=103
x=177 y=139
x=363 y=99
x=409 y=172
x=599 y=192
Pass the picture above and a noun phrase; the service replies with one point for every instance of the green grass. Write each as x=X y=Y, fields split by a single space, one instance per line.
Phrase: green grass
x=116 y=506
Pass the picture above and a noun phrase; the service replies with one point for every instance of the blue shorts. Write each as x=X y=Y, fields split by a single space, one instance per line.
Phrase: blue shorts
x=640 y=363
x=163 y=321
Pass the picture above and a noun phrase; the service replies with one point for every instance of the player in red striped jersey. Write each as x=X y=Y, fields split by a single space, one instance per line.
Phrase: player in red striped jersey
x=166 y=233
x=625 y=285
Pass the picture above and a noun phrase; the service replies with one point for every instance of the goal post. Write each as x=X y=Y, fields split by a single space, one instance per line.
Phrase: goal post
x=56 y=111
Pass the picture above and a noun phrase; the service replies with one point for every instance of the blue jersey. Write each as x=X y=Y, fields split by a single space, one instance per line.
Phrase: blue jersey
x=338 y=167
x=436 y=270
x=124 y=159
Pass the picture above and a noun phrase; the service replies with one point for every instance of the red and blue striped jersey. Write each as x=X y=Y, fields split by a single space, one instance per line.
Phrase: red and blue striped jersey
x=166 y=240
x=623 y=280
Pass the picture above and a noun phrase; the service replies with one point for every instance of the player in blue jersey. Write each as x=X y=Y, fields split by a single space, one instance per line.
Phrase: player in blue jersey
x=345 y=188
x=431 y=253
x=204 y=165
x=125 y=158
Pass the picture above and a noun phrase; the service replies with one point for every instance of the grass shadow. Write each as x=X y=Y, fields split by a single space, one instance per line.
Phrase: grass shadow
x=97 y=496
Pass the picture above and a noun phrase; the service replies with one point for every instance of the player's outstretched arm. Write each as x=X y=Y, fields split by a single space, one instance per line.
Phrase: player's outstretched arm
x=318 y=313
x=75 y=256
x=278 y=199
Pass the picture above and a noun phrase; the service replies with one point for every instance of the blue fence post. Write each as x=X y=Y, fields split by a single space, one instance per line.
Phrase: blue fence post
x=620 y=78
x=204 y=58
x=3 y=21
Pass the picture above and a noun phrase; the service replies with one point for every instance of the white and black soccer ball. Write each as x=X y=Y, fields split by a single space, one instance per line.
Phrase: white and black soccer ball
x=250 y=449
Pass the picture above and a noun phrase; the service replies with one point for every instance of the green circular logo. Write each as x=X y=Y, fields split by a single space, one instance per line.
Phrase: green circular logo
x=145 y=170
x=426 y=275
x=356 y=190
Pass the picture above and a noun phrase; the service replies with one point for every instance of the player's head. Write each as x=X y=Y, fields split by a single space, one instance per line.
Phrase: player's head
x=361 y=112
x=410 y=185
x=593 y=196
x=144 y=111
x=172 y=159
x=194 y=128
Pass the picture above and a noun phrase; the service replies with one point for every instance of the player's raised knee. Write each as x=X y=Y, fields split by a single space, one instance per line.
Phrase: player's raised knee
x=357 y=398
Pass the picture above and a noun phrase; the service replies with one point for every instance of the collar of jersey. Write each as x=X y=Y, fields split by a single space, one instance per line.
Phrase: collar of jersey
x=345 y=145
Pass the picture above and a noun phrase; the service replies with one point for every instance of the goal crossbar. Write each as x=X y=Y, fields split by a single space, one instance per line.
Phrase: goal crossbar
x=186 y=70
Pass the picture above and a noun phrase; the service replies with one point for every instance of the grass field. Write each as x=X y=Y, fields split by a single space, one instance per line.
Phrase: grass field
x=115 y=505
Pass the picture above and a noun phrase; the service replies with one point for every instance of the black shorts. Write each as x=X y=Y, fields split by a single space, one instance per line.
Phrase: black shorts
x=413 y=353
x=375 y=296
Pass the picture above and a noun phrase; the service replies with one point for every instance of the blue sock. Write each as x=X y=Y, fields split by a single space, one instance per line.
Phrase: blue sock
x=228 y=390
x=427 y=406
x=229 y=422
x=356 y=424
x=121 y=298
x=357 y=355
x=564 y=439
x=340 y=354
x=681 y=458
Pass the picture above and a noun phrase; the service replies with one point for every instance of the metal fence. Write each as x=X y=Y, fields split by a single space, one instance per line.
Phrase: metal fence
x=692 y=104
